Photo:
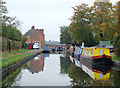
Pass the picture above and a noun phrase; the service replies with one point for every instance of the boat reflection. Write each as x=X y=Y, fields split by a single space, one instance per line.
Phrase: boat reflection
x=98 y=72
x=37 y=64
x=58 y=52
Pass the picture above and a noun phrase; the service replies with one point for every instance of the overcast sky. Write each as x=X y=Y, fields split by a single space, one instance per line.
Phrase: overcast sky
x=44 y=14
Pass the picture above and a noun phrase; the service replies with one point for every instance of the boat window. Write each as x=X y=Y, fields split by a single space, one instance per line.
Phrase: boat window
x=92 y=52
x=99 y=51
x=88 y=52
x=102 y=76
x=103 y=51
x=83 y=52
x=99 y=75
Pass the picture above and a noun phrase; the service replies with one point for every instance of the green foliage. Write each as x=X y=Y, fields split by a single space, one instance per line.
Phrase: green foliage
x=8 y=54
x=13 y=44
x=95 y=23
x=3 y=7
x=115 y=58
x=10 y=32
x=116 y=43
x=80 y=28
x=14 y=59
x=64 y=36
x=24 y=39
x=104 y=21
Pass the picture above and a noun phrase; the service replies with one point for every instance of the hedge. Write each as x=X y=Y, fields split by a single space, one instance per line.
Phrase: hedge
x=12 y=43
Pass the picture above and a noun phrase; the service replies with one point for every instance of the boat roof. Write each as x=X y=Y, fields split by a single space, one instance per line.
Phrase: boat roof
x=94 y=48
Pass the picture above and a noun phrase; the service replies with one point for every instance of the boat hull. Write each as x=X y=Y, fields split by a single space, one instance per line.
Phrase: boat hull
x=103 y=63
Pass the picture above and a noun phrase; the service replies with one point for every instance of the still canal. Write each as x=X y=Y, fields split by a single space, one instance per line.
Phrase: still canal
x=58 y=70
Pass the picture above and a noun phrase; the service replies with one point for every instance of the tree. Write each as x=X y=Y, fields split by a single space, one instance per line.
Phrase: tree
x=3 y=7
x=65 y=38
x=116 y=41
x=104 y=21
x=10 y=26
x=24 y=39
x=80 y=29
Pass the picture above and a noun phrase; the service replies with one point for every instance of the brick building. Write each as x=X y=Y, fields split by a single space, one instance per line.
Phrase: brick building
x=35 y=35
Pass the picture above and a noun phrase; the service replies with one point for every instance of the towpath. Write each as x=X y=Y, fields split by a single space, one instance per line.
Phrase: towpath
x=32 y=51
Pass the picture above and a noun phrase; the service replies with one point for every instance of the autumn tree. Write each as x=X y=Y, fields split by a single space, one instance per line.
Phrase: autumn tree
x=104 y=20
x=116 y=41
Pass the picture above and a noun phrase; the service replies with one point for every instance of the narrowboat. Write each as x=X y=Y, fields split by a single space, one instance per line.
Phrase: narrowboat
x=96 y=56
x=97 y=68
x=96 y=74
x=72 y=50
x=78 y=51
x=76 y=61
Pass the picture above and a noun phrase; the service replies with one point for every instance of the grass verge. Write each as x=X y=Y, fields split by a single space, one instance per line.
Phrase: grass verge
x=7 y=54
x=14 y=59
x=115 y=58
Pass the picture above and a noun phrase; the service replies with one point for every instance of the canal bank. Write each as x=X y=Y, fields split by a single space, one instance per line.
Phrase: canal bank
x=4 y=71
x=116 y=64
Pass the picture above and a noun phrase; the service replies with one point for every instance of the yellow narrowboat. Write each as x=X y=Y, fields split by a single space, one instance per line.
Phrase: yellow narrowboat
x=96 y=56
x=95 y=74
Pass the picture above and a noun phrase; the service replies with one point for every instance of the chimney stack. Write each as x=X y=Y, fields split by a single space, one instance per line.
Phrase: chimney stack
x=32 y=27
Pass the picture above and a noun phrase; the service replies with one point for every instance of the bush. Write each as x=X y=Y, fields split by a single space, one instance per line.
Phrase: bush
x=14 y=44
x=4 y=44
x=117 y=45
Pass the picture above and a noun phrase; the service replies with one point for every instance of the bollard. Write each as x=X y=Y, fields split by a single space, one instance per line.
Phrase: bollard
x=17 y=49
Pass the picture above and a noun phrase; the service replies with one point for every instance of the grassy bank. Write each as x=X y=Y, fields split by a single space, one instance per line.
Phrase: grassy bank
x=7 y=54
x=14 y=59
x=115 y=58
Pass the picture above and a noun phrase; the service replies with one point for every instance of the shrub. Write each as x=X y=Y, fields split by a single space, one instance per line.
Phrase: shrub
x=117 y=45
x=13 y=44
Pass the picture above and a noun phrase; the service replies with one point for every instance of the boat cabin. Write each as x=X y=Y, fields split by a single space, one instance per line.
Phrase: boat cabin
x=95 y=51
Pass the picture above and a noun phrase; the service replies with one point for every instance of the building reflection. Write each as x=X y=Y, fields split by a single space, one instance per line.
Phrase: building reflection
x=37 y=64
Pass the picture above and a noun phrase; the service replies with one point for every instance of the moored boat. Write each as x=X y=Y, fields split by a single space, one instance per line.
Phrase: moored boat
x=78 y=51
x=72 y=50
x=96 y=56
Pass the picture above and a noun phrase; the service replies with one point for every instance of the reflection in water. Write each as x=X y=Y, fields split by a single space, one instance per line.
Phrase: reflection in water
x=77 y=72
x=13 y=77
x=37 y=64
x=59 y=70
x=98 y=72
x=58 y=52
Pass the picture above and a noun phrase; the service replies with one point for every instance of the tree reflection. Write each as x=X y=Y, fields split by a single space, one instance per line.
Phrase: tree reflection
x=12 y=77
x=115 y=76
x=80 y=78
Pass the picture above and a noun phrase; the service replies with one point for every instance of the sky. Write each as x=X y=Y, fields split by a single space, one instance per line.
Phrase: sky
x=44 y=14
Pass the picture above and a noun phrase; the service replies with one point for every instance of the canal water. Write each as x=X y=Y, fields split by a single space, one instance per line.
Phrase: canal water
x=59 y=70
